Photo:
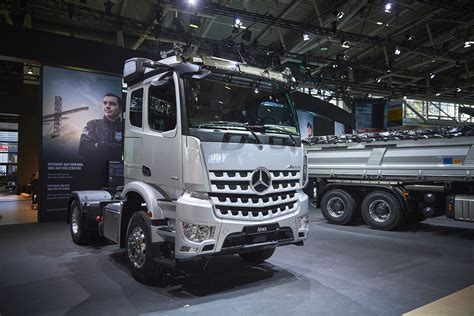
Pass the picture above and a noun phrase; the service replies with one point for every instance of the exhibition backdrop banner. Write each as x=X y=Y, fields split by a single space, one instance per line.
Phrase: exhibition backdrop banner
x=306 y=123
x=82 y=131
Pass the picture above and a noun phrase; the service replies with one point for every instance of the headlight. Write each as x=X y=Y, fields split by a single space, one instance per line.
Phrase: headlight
x=303 y=222
x=197 y=233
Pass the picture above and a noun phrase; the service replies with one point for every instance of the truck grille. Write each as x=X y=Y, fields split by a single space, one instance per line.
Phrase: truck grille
x=234 y=198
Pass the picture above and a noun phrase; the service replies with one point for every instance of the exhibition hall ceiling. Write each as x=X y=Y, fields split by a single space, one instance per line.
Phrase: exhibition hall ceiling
x=386 y=48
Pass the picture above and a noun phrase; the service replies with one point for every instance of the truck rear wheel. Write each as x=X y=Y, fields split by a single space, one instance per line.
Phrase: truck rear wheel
x=338 y=207
x=257 y=256
x=381 y=210
x=77 y=225
x=140 y=254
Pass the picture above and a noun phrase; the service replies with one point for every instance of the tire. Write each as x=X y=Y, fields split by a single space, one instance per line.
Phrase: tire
x=257 y=257
x=140 y=251
x=381 y=210
x=338 y=207
x=77 y=226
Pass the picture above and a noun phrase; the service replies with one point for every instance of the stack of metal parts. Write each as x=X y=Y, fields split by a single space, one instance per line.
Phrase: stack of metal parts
x=413 y=134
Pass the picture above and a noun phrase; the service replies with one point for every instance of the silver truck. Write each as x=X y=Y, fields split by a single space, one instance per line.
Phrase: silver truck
x=393 y=182
x=213 y=162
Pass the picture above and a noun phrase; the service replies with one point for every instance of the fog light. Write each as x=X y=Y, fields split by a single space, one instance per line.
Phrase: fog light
x=188 y=249
x=303 y=222
x=197 y=233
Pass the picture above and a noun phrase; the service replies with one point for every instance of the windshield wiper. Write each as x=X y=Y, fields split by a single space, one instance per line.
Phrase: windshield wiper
x=281 y=129
x=230 y=124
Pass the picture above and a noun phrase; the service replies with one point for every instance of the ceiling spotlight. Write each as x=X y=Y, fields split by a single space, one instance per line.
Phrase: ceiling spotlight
x=345 y=57
x=411 y=37
x=237 y=22
x=458 y=89
x=323 y=48
x=467 y=44
x=404 y=97
x=438 y=94
x=378 y=80
x=305 y=36
x=195 y=22
x=369 y=95
x=379 y=23
x=397 y=51
x=256 y=90
x=335 y=65
x=30 y=71
x=432 y=75
x=192 y=2
x=339 y=14
x=345 y=44
x=388 y=7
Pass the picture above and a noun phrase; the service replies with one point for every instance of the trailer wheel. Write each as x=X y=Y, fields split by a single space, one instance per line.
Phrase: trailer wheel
x=80 y=235
x=140 y=255
x=381 y=210
x=338 y=207
x=256 y=257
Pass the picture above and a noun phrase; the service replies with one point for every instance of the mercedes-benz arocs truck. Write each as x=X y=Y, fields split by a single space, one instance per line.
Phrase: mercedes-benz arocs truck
x=392 y=182
x=213 y=163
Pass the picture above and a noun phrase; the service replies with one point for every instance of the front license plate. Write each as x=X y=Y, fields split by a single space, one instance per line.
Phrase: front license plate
x=261 y=229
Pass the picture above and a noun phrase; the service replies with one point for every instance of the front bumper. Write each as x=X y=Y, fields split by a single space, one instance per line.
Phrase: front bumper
x=235 y=236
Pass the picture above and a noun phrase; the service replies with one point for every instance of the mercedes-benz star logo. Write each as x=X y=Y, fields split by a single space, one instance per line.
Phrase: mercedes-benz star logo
x=261 y=180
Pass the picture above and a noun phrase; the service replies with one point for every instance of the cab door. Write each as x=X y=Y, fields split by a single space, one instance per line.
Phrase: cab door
x=133 y=135
x=161 y=159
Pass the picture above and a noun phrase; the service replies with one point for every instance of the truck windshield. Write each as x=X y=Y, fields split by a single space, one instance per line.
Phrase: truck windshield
x=219 y=101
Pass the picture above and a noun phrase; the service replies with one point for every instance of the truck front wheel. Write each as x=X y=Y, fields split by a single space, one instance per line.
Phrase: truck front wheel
x=381 y=210
x=256 y=257
x=140 y=254
x=338 y=207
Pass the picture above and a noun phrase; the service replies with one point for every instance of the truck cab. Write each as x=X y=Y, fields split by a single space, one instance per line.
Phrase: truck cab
x=213 y=164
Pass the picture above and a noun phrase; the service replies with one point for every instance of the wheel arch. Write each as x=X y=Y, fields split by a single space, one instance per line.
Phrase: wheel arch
x=139 y=196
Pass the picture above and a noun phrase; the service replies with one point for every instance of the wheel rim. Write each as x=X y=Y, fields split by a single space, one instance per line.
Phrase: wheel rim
x=136 y=247
x=379 y=211
x=75 y=220
x=336 y=207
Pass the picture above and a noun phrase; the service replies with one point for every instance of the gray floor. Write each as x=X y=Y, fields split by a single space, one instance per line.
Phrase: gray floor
x=350 y=270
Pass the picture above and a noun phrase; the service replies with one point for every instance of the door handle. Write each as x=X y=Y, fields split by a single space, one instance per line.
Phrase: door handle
x=146 y=171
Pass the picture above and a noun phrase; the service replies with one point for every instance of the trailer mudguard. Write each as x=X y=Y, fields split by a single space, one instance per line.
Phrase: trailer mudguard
x=89 y=204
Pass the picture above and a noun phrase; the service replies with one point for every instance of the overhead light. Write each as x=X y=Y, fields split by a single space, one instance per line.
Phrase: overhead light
x=432 y=75
x=404 y=97
x=345 y=44
x=369 y=95
x=192 y=2
x=323 y=48
x=378 y=80
x=30 y=71
x=339 y=14
x=256 y=90
x=468 y=44
x=379 y=23
x=345 y=57
x=438 y=94
x=335 y=65
x=237 y=22
x=305 y=37
x=247 y=35
x=227 y=87
x=195 y=22
x=411 y=37
x=397 y=51
x=388 y=7
x=389 y=70
x=458 y=89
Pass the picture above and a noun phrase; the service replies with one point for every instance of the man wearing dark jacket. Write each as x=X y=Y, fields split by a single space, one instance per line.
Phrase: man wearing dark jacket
x=101 y=139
